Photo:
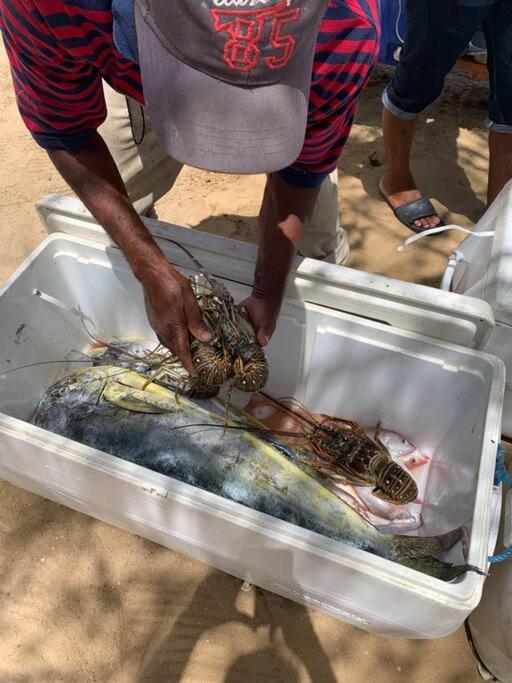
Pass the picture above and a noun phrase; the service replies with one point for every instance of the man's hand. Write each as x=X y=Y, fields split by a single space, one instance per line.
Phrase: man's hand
x=263 y=313
x=173 y=313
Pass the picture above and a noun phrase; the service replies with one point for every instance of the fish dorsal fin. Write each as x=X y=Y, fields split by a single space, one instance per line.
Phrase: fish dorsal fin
x=123 y=394
x=135 y=400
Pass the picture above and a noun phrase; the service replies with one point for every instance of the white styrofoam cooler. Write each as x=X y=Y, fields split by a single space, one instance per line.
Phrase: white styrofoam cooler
x=347 y=343
x=489 y=624
x=482 y=268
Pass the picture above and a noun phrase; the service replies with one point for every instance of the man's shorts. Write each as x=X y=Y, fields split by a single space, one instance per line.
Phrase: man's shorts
x=438 y=32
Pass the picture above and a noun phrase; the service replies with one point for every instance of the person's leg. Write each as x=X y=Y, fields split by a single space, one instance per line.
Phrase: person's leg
x=147 y=170
x=498 y=33
x=324 y=238
x=398 y=184
x=500 y=163
x=437 y=34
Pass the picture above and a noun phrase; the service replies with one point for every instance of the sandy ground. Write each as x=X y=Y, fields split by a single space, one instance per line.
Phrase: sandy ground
x=83 y=601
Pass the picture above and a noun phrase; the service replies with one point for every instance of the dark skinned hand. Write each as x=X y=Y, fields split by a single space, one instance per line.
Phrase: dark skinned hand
x=174 y=315
x=263 y=312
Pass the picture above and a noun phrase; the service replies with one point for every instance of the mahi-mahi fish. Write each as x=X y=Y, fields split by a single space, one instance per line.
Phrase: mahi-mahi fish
x=110 y=409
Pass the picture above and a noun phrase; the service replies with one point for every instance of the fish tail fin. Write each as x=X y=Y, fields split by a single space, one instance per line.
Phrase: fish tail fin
x=440 y=570
x=429 y=546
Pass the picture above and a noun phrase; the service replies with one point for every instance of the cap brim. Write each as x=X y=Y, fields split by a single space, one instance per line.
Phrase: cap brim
x=210 y=124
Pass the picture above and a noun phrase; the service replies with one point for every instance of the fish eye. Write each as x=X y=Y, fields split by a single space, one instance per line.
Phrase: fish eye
x=62 y=391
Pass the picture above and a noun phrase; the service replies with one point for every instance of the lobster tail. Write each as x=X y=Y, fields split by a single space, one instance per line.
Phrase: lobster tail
x=212 y=364
x=396 y=484
x=251 y=369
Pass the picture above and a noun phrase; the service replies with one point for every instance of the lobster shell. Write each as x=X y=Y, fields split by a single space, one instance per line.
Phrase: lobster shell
x=211 y=362
x=251 y=369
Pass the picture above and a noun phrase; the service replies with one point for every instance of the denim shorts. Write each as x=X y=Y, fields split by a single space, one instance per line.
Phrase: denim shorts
x=437 y=33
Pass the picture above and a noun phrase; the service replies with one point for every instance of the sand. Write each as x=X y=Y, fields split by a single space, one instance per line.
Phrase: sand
x=83 y=601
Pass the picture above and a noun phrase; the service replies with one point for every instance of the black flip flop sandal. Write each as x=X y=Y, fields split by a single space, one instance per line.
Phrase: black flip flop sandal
x=412 y=211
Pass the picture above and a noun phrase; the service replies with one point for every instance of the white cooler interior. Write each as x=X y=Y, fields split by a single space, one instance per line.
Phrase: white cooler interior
x=445 y=399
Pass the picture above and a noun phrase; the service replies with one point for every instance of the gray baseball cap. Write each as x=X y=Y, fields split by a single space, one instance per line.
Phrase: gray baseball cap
x=226 y=82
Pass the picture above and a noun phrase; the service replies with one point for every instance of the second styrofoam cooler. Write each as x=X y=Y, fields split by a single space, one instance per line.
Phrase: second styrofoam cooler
x=489 y=624
x=347 y=343
x=481 y=267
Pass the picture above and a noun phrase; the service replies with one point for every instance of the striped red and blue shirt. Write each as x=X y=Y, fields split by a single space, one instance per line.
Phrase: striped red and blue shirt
x=60 y=50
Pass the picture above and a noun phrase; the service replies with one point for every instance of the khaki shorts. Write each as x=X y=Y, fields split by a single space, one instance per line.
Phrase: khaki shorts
x=149 y=173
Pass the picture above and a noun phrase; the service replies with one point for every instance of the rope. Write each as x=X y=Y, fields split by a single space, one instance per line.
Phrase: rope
x=505 y=555
x=501 y=476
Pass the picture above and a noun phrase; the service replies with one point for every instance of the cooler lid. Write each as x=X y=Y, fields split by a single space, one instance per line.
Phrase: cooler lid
x=424 y=310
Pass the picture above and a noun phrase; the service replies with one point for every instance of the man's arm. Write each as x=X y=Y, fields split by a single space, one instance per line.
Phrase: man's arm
x=170 y=302
x=335 y=92
x=284 y=211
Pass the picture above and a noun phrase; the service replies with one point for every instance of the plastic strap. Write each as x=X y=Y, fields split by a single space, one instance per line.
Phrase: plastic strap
x=453 y=262
x=443 y=228
x=60 y=304
x=501 y=476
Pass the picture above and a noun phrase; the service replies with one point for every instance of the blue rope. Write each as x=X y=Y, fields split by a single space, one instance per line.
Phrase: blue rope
x=501 y=476
x=505 y=555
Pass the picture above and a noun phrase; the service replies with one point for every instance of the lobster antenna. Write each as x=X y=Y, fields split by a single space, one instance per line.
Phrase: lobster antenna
x=191 y=256
x=45 y=362
x=77 y=311
x=258 y=430
x=122 y=349
x=281 y=402
x=148 y=352
x=91 y=335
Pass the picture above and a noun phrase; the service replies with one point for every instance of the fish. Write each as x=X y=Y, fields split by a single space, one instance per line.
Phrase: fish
x=350 y=499
x=401 y=450
x=108 y=408
x=398 y=517
x=415 y=459
x=384 y=516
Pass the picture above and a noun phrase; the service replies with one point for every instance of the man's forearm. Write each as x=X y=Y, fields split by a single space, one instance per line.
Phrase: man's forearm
x=93 y=176
x=284 y=212
x=170 y=302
